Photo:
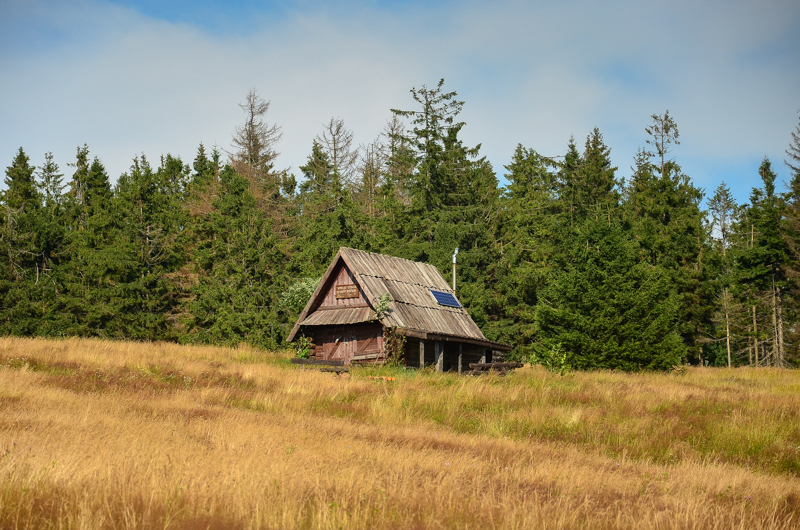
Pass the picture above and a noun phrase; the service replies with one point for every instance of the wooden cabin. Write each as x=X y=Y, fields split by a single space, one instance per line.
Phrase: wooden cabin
x=341 y=322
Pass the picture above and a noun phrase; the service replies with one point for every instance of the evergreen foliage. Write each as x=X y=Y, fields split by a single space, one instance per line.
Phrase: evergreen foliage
x=606 y=307
x=573 y=265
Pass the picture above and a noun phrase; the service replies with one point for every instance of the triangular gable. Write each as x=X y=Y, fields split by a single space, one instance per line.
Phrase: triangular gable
x=335 y=291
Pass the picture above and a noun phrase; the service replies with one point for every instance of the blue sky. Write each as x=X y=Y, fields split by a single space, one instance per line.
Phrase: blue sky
x=130 y=77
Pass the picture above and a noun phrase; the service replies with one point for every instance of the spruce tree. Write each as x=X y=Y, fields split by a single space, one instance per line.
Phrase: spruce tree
x=91 y=261
x=148 y=247
x=432 y=124
x=51 y=182
x=239 y=263
x=19 y=244
x=454 y=201
x=760 y=266
x=790 y=229
x=21 y=191
x=663 y=206
x=724 y=213
x=327 y=218
x=606 y=307
x=337 y=141
x=50 y=235
x=527 y=244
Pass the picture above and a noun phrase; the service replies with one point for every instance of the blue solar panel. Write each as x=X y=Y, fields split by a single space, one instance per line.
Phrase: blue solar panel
x=445 y=298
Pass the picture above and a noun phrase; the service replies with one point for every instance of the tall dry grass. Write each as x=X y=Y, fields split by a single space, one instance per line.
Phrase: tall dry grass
x=99 y=434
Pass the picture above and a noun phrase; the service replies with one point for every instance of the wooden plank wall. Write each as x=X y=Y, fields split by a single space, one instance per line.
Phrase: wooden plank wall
x=342 y=277
x=356 y=342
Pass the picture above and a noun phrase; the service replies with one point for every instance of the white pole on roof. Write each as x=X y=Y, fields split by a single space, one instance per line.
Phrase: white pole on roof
x=454 y=270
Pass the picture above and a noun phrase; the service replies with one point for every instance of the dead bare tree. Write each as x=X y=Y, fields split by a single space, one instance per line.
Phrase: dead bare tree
x=254 y=145
x=371 y=169
x=399 y=158
x=338 y=143
x=663 y=132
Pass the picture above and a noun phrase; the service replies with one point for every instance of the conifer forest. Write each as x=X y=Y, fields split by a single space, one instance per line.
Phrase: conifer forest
x=569 y=260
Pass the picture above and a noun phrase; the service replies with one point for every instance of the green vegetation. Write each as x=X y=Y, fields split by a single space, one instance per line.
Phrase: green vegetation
x=610 y=272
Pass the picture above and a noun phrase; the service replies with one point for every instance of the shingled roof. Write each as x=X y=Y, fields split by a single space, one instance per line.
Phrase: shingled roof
x=413 y=310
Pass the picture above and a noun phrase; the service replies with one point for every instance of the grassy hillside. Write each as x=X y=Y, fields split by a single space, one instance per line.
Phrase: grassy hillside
x=101 y=434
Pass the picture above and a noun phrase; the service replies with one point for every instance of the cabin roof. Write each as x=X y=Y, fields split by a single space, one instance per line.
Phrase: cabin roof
x=413 y=310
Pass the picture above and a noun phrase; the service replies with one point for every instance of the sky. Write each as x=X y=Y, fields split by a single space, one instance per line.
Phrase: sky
x=133 y=77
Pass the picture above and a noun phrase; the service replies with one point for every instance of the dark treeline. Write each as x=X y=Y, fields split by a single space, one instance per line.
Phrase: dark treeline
x=569 y=260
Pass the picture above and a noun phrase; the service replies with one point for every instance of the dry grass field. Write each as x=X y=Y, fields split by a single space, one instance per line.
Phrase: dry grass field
x=97 y=434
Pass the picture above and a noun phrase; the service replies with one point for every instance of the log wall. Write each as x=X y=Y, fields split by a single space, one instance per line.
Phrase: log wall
x=353 y=343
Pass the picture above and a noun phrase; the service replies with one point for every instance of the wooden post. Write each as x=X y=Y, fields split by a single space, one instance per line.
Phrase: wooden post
x=460 y=351
x=421 y=353
x=439 y=356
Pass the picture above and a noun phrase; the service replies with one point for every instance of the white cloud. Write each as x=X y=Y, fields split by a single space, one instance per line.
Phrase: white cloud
x=530 y=73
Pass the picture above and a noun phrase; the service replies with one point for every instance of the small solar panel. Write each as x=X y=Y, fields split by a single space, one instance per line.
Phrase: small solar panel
x=444 y=298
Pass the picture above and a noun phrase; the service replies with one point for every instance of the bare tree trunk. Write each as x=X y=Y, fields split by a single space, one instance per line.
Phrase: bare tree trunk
x=755 y=334
x=774 y=326
x=781 y=350
x=755 y=327
x=727 y=327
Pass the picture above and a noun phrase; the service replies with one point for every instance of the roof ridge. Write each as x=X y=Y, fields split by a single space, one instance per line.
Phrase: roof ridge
x=429 y=287
x=389 y=256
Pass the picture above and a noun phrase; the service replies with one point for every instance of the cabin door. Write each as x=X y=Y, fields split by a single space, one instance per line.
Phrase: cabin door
x=340 y=345
x=352 y=346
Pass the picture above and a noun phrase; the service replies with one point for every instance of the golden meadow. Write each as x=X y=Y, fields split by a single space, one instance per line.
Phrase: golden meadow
x=98 y=434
